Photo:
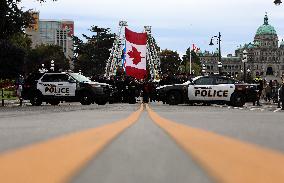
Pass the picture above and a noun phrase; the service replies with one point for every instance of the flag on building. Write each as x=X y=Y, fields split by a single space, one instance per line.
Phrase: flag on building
x=135 y=60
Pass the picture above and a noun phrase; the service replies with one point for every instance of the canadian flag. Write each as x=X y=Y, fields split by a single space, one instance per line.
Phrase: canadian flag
x=135 y=61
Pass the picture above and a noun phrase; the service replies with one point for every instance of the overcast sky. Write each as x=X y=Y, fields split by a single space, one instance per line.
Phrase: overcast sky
x=176 y=24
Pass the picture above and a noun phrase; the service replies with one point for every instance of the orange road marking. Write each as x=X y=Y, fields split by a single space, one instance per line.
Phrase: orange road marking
x=57 y=160
x=225 y=159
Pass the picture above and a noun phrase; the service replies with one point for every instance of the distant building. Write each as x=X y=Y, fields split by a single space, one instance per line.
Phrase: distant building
x=265 y=57
x=53 y=32
x=231 y=65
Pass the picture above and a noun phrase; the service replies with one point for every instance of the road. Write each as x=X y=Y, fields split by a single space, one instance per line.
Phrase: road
x=149 y=143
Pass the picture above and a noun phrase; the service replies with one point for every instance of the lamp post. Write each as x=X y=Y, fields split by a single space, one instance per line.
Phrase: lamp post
x=220 y=67
x=277 y=2
x=203 y=69
x=244 y=60
x=219 y=43
x=52 y=65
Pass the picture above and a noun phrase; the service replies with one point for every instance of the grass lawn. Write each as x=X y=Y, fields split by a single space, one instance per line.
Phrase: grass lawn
x=8 y=95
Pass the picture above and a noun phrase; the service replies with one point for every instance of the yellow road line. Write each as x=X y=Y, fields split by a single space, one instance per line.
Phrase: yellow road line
x=57 y=160
x=226 y=159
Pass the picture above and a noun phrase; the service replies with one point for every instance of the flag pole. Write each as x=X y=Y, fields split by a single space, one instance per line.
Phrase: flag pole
x=190 y=61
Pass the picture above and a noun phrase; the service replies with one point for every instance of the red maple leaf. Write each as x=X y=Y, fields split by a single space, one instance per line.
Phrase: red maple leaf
x=136 y=55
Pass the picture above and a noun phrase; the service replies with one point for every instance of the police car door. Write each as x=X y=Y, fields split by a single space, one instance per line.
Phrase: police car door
x=56 y=85
x=200 y=89
x=224 y=88
x=47 y=84
x=65 y=86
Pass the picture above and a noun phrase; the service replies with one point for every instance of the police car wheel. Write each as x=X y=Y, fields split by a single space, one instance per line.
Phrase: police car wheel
x=237 y=100
x=174 y=98
x=85 y=99
x=101 y=101
x=54 y=102
x=36 y=99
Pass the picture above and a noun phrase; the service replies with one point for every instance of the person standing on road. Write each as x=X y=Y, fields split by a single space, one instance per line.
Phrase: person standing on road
x=19 y=88
x=282 y=92
x=258 y=80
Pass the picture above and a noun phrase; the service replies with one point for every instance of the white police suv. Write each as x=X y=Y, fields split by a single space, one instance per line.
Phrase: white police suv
x=71 y=87
x=208 y=89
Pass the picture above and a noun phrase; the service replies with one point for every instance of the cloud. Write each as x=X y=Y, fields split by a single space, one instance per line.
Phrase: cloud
x=175 y=24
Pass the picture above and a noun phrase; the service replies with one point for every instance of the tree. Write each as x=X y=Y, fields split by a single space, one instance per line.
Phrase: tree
x=13 y=18
x=43 y=54
x=11 y=60
x=91 y=56
x=14 y=44
x=195 y=62
x=170 y=61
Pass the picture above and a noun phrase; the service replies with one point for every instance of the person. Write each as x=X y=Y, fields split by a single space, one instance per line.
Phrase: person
x=258 y=80
x=19 y=88
x=146 y=91
x=268 y=91
x=282 y=92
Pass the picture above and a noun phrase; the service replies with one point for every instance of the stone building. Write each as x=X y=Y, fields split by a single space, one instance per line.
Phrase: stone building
x=265 y=56
x=231 y=65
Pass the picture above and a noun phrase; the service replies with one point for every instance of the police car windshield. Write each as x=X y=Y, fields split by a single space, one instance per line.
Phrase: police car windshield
x=80 y=78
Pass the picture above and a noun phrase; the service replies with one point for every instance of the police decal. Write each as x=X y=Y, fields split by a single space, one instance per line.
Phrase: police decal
x=56 y=90
x=211 y=93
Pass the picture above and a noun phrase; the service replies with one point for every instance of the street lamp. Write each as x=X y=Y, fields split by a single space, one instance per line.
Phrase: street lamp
x=52 y=65
x=277 y=2
x=220 y=67
x=219 y=43
x=244 y=60
x=203 y=69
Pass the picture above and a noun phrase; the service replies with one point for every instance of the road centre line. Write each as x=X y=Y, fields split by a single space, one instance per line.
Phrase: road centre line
x=58 y=159
x=225 y=159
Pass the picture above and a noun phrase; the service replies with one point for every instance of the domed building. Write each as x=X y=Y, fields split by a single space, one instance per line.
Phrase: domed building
x=265 y=57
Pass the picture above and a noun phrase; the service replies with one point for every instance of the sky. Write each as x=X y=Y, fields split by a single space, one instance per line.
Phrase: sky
x=176 y=24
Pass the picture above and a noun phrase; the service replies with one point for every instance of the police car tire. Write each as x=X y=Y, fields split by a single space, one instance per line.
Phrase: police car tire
x=237 y=100
x=36 y=99
x=85 y=99
x=54 y=102
x=174 y=98
x=101 y=101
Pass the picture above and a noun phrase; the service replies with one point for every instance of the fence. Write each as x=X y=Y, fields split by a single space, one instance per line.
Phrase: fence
x=7 y=91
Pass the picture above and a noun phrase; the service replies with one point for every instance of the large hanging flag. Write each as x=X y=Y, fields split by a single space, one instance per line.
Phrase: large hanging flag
x=135 y=64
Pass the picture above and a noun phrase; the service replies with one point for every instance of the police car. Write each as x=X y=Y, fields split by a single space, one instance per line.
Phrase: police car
x=208 y=89
x=71 y=87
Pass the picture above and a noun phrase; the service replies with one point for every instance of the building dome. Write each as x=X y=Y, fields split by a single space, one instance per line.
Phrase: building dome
x=266 y=28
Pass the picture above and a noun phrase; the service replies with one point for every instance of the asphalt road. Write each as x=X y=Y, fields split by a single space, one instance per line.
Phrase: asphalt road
x=142 y=151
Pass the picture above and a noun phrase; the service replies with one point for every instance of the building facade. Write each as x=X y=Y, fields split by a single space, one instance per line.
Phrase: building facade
x=53 y=32
x=265 y=56
x=231 y=65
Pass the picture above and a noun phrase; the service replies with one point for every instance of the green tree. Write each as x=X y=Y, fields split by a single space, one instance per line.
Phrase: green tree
x=11 y=60
x=195 y=62
x=13 y=18
x=91 y=56
x=14 y=44
x=170 y=61
x=43 y=54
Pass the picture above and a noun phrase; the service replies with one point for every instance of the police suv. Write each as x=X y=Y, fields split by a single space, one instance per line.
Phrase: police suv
x=208 y=89
x=71 y=87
